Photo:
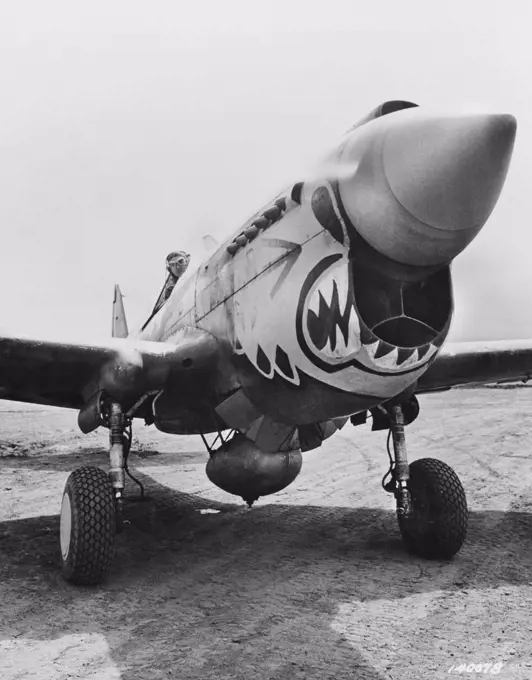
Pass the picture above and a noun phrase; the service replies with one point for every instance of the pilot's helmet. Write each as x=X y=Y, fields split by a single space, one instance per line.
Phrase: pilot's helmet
x=177 y=262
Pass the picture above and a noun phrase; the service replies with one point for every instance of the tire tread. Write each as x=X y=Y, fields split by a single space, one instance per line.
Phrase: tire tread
x=93 y=526
x=438 y=530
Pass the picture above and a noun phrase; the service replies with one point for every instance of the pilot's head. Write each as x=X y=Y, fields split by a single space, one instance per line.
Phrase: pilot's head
x=177 y=262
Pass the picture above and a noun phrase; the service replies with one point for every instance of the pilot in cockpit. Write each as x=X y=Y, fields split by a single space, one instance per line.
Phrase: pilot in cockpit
x=176 y=265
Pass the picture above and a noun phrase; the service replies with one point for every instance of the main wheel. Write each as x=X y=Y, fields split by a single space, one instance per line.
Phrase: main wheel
x=437 y=525
x=87 y=529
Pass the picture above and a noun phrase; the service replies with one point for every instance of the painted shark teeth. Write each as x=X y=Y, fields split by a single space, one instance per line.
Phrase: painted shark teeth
x=371 y=348
x=388 y=360
x=410 y=360
x=333 y=288
x=354 y=342
x=326 y=289
x=386 y=356
x=332 y=321
x=343 y=348
x=342 y=287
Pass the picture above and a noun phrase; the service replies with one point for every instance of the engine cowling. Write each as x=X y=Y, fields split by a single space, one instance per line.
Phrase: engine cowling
x=241 y=468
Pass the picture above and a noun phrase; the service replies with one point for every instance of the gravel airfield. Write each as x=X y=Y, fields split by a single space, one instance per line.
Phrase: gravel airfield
x=311 y=583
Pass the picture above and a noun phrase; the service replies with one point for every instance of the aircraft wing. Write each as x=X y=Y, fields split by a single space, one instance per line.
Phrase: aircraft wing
x=68 y=374
x=477 y=363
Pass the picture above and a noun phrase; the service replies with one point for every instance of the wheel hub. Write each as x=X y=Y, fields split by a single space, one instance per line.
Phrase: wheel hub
x=65 y=528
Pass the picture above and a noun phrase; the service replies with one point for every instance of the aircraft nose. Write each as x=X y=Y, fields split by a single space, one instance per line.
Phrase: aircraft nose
x=425 y=187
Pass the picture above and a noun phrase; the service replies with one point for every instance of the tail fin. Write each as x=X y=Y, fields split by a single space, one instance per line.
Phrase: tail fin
x=119 y=316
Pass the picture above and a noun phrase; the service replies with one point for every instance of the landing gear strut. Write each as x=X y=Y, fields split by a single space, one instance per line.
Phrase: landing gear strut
x=91 y=510
x=401 y=472
x=431 y=503
x=117 y=455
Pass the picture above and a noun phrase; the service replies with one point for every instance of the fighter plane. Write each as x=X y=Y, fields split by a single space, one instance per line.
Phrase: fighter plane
x=330 y=305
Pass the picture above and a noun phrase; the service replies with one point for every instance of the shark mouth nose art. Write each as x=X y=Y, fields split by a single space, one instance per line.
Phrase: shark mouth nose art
x=349 y=316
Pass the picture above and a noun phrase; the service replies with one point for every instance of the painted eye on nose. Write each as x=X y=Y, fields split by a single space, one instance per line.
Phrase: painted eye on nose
x=325 y=213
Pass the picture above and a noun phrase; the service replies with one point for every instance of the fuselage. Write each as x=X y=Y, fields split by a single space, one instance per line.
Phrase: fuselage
x=337 y=295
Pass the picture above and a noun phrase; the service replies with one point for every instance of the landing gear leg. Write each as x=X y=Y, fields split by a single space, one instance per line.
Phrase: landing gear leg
x=431 y=503
x=91 y=510
x=401 y=471
x=117 y=457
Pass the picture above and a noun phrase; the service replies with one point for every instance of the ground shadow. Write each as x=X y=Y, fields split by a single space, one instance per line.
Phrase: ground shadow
x=95 y=455
x=237 y=592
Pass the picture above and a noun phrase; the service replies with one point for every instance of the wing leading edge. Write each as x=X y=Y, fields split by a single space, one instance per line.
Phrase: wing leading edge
x=478 y=363
x=69 y=374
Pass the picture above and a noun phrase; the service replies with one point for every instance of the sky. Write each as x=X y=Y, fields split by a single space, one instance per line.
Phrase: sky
x=130 y=129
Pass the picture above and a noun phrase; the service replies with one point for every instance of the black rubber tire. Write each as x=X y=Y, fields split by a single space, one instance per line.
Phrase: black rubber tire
x=87 y=547
x=437 y=526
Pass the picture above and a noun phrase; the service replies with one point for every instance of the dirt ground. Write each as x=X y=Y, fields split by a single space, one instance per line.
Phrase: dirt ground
x=311 y=583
